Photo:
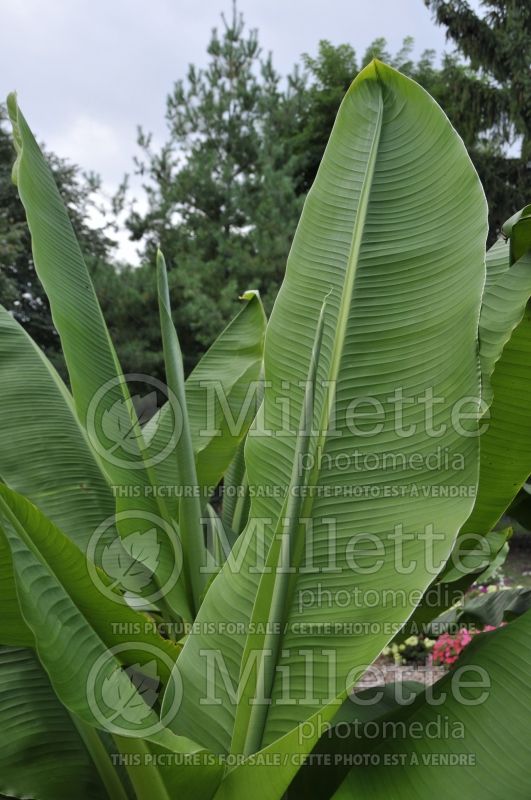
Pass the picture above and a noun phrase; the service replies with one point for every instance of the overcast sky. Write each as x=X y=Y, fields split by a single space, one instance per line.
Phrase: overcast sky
x=88 y=72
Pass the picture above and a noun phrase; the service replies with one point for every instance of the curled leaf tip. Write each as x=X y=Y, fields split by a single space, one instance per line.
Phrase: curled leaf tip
x=13 y=112
x=249 y=294
x=160 y=263
x=11 y=101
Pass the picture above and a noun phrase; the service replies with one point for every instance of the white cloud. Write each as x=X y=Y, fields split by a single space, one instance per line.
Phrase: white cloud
x=89 y=142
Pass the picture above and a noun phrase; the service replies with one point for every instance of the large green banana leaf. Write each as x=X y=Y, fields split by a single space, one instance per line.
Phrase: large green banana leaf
x=114 y=622
x=45 y=751
x=69 y=634
x=44 y=450
x=218 y=427
x=502 y=310
x=505 y=339
x=393 y=233
x=100 y=393
x=88 y=350
x=41 y=751
x=95 y=373
x=190 y=525
x=505 y=443
x=493 y=740
x=45 y=455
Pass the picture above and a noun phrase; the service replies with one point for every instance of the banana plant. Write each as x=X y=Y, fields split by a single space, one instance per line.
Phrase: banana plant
x=171 y=650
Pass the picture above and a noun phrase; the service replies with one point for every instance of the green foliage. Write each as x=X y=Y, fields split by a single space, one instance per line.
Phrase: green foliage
x=20 y=289
x=471 y=759
x=377 y=297
x=377 y=300
x=128 y=299
x=346 y=252
x=497 y=44
x=222 y=202
x=243 y=149
x=225 y=191
x=480 y=109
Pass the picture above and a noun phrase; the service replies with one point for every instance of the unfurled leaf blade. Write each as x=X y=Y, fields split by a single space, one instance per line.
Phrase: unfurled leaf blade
x=506 y=442
x=100 y=392
x=502 y=310
x=114 y=622
x=73 y=651
x=489 y=748
x=45 y=455
x=33 y=721
x=403 y=313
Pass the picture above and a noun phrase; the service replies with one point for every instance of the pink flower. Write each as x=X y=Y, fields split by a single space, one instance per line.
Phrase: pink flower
x=448 y=647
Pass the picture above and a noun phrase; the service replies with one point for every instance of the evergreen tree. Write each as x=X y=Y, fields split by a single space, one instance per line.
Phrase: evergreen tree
x=226 y=190
x=478 y=109
x=222 y=199
x=496 y=92
x=128 y=299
